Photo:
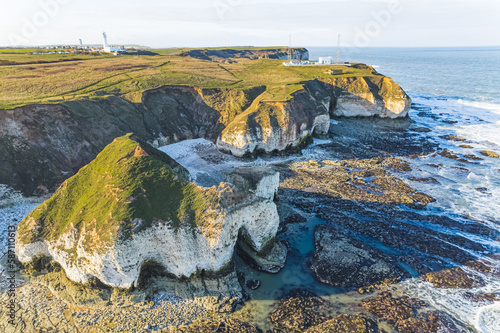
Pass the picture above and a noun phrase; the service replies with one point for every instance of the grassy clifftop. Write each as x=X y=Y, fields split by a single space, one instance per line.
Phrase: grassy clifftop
x=53 y=79
x=128 y=180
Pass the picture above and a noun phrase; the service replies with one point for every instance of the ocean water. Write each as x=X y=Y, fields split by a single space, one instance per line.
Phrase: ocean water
x=461 y=86
x=471 y=74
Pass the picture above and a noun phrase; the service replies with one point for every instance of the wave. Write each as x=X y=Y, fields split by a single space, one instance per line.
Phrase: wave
x=481 y=105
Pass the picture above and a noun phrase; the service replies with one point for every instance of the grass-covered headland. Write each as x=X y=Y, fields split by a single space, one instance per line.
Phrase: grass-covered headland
x=53 y=79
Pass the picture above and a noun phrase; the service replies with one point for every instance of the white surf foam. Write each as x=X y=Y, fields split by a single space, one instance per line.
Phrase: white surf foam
x=483 y=316
x=481 y=105
x=488 y=319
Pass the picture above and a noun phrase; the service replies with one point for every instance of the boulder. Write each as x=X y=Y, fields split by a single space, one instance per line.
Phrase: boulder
x=345 y=324
x=299 y=310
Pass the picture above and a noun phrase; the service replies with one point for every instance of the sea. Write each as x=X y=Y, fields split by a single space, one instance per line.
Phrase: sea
x=459 y=90
x=461 y=85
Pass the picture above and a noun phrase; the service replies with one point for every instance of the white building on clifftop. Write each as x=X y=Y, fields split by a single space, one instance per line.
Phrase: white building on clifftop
x=325 y=61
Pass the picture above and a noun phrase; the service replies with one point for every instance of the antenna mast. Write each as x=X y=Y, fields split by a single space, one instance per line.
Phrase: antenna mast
x=338 y=50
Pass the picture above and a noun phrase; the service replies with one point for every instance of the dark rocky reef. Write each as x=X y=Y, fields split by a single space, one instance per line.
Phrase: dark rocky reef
x=343 y=261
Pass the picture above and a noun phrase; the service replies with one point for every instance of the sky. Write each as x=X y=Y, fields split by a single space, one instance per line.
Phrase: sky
x=196 y=23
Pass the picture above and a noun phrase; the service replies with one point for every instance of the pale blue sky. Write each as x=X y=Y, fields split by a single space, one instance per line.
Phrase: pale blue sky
x=164 y=23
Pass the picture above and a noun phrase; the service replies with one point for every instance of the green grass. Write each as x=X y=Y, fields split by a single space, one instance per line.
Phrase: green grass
x=238 y=48
x=28 y=50
x=20 y=50
x=29 y=79
x=119 y=186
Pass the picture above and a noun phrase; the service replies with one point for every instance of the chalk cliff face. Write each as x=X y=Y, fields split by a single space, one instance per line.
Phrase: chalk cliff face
x=369 y=96
x=182 y=113
x=276 y=126
x=43 y=145
x=138 y=207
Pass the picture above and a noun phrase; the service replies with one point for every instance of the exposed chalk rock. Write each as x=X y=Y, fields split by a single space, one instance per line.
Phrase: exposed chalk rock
x=369 y=96
x=134 y=205
x=270 y=259
x=258 y=180
x=276 y=126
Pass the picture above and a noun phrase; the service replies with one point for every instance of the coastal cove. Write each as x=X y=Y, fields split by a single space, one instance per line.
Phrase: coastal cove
x=399 y=213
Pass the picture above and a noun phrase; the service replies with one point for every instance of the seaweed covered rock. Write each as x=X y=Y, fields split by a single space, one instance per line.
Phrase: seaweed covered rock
x=227 y=326
x=346 y=324
x=134 y=206
x=454 y=278
x=299 y=310
x=342 y=261
x=405 y=314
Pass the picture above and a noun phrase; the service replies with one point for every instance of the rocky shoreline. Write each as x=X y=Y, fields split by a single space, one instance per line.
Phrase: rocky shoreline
x=391 y=234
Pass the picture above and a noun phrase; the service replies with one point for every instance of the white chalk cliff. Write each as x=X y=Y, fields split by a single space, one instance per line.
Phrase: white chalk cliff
x=370 y=96
x=276 y=126
x=198 y=231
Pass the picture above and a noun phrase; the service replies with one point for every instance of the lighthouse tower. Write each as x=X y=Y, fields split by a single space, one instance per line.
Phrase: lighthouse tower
x=104 y=40
x=109 y=49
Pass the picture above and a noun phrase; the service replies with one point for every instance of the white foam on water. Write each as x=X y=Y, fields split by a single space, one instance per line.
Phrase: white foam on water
x=483 y=316
x=476 y=192
x=473 y=192
x=495 y=108
x=488 y=318
x=486 y=132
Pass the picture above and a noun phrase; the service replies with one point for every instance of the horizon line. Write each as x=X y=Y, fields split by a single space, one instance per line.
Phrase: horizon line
x=239 y=46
